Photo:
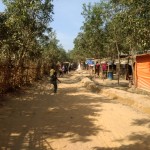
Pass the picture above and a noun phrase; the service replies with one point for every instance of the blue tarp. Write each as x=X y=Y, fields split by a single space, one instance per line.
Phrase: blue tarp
x=89 y=62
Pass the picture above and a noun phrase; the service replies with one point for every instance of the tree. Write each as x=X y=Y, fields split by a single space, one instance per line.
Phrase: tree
x=93 y=29
x=26 y=23
x=135 y=15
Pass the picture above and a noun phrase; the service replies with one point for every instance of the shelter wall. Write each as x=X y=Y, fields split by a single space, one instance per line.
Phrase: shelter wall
x=142 y=72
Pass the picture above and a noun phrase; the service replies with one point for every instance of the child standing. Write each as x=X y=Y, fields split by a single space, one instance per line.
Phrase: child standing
x=54 y=80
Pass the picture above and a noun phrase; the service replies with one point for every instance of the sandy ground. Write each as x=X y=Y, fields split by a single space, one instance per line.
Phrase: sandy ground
x=73 y=119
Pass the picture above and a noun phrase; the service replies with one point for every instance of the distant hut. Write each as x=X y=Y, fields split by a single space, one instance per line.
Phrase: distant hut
x=142 y=72
x=90 y=65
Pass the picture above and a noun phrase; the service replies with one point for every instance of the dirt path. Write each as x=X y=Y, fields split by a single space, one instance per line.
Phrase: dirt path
x=73 y=119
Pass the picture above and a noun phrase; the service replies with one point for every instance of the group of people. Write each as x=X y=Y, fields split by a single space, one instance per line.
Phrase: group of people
x=100 y=68
x=60 y=70
x=63 y=70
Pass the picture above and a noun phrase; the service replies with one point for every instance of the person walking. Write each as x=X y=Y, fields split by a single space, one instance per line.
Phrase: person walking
x=54 y=80
x=104 y=71
x=97 y=69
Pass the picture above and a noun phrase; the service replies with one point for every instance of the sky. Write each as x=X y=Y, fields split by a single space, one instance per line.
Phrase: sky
x=67 y=20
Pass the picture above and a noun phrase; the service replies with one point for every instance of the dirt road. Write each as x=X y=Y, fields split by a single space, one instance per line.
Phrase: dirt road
x=72 y=119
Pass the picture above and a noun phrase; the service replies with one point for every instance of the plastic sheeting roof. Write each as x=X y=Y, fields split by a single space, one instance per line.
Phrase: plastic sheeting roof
x=89 y=62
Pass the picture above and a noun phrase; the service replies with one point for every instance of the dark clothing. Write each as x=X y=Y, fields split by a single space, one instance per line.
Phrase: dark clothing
x=53 y=77
x=54 y=82
x=97 y=69
x=129 y=72
x=55 y=86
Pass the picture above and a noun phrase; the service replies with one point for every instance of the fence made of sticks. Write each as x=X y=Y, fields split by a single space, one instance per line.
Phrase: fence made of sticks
x=12 y=77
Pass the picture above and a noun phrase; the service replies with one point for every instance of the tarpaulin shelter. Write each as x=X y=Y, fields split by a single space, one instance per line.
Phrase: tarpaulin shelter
x=90 y=62
x=142 y=71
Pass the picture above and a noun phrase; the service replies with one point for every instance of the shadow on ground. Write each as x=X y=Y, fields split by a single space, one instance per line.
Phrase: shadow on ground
x=142 y=140
x=28 y=121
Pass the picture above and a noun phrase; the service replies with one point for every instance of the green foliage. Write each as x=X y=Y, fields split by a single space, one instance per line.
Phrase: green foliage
x=26 y=38
x=28 y=24
x=52 y=51
x=113 y=27
x=93 y=29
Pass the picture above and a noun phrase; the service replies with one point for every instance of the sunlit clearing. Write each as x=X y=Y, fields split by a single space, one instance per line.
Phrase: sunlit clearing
x=91 y=95
x=15 y=134
x=52 y=109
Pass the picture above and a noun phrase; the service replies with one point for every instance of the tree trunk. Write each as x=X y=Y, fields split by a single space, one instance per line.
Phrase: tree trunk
x=132 y=65
x=118 y=62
